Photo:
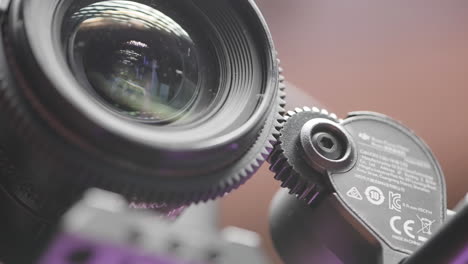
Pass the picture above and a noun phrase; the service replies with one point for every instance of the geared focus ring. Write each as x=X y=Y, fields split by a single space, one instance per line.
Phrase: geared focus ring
x=140 y=194
x=43 y=141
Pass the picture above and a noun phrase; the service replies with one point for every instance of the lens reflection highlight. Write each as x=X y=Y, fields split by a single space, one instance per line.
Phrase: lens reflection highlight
x=138 y=60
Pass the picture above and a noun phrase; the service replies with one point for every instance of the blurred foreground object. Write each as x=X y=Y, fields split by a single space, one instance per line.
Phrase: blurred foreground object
x=100 y=229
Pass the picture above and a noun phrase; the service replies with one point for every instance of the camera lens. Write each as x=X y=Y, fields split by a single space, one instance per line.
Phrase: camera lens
x=167 y=102
x=140 y=62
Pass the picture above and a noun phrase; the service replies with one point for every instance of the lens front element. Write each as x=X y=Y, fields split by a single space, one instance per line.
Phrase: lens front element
x=140 y=62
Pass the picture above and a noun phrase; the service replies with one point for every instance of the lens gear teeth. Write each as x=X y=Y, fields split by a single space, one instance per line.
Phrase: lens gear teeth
x=254 y=159
x=228 y=182
x=289 y=165
x=240 y=177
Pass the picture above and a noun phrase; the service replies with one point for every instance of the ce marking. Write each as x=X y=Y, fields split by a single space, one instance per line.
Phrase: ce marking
x=407 y=226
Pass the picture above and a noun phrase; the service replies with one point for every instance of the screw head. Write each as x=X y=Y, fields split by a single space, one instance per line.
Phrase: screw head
x=328 y=145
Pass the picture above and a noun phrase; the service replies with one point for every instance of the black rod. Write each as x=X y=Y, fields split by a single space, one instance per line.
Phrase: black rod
x=448 y=246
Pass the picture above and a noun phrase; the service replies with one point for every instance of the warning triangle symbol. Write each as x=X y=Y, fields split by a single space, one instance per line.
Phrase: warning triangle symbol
x=354 y=193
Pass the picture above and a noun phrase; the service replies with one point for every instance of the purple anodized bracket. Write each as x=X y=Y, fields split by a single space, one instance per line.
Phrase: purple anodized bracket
x=70 y=249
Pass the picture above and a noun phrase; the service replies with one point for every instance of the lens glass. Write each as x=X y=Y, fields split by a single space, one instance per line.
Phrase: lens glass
x=139 y=61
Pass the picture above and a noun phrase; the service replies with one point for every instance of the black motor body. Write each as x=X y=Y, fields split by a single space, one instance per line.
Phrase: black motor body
x=364 y=189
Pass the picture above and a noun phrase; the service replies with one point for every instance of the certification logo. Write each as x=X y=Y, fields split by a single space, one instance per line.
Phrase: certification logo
x=394 y=201
x=374 y=195
x=354 y=193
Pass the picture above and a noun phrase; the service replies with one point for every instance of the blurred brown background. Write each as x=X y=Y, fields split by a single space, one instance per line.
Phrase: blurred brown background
x=407 y=59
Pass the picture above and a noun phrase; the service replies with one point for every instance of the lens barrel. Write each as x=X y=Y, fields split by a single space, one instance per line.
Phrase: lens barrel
x=166 y=102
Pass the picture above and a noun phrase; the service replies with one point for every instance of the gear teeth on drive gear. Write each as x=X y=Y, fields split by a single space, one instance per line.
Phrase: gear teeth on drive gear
x=289 y=168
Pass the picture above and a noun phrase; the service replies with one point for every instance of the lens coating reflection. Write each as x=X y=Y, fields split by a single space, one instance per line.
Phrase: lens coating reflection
x=139 y=61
